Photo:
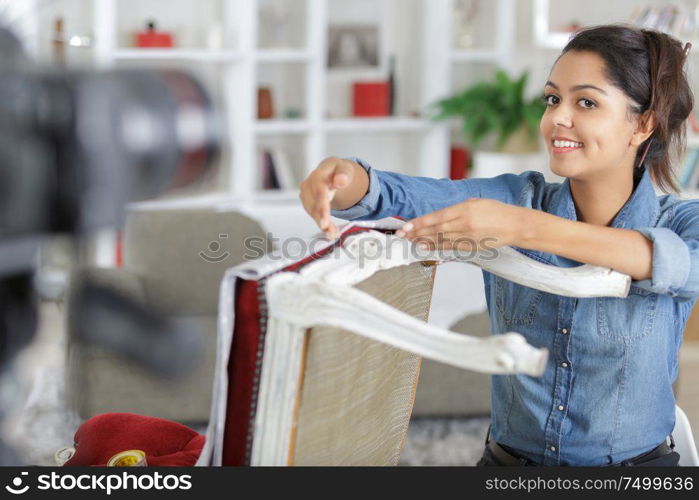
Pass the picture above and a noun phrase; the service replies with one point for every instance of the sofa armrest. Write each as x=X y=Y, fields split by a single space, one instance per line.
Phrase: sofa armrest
x=120 y=280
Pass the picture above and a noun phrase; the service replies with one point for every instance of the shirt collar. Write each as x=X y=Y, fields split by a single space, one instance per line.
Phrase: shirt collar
x=640 y=210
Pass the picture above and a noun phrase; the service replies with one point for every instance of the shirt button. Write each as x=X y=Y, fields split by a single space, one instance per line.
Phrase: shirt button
x=564 y=364
x=552 y=448
x=560 y=407
x=564 y=331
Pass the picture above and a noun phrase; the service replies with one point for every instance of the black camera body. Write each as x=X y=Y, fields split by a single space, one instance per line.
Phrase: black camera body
x=75 y=148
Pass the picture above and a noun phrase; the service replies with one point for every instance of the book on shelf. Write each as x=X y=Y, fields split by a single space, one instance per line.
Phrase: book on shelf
x=676 y=20
x=275 y=170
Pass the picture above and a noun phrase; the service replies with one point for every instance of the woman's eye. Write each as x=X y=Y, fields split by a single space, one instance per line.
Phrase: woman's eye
x=587 y=103
x=550 y=100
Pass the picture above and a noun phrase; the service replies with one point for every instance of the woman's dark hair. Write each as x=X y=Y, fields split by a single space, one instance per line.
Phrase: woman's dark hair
x=648 y=66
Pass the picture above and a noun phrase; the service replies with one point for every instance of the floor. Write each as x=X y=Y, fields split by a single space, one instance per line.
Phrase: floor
x=39 y=422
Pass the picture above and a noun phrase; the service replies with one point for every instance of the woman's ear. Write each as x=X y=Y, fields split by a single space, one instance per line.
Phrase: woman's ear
x=645 y=126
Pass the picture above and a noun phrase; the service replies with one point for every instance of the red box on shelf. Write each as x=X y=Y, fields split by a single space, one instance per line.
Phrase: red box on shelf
x=459 y=162
x=371 y=99
x=151 y=37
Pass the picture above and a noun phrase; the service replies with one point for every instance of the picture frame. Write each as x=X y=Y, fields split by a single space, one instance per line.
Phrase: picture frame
x=355 y=46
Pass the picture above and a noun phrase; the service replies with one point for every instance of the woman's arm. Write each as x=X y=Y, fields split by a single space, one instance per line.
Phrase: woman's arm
x=623 y=250
x=351 y=189
x=662 y=260
x=473 y=222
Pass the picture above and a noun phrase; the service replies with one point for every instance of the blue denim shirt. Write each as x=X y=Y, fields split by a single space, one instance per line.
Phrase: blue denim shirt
x=606 y=393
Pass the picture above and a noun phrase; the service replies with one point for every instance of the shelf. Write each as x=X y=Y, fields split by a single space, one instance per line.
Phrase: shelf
x=216 y=200
x=281 y=126
x=275 y=195
x=475 y=55
x=283 y=55
x=207 y=200
x=203 y=55
x=379 y=124
x=557 y=40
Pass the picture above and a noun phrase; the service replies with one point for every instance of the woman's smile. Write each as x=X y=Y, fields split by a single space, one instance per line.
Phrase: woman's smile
x=560 y=145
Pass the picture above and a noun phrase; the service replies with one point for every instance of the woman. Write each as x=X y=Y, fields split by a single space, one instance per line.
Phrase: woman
x=617 y=100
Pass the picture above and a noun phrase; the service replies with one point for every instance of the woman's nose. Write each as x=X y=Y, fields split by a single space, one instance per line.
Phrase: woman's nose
x=561 y=117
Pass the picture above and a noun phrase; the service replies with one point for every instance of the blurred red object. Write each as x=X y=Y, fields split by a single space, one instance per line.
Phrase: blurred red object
x=371 y=99
x=153 y=38
x=164 y=442
x=459 y=161
x=693 y=122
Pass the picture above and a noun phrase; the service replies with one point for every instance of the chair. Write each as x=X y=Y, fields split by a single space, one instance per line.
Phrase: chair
x=318 y=356
x=684 y=439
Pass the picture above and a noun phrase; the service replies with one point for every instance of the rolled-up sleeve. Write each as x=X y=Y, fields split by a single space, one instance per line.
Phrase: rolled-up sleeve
x=675 y=266
x=394 y=194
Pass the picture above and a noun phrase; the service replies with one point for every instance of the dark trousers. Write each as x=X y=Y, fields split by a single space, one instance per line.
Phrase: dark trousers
x=658 y=457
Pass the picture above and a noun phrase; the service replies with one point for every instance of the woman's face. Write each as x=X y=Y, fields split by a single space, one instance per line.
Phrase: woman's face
x=587 y=126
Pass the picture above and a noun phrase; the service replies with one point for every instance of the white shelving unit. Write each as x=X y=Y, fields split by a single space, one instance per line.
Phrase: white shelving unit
x=242 y=63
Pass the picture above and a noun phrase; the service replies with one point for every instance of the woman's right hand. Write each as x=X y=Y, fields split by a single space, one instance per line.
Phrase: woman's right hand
x=335 y=183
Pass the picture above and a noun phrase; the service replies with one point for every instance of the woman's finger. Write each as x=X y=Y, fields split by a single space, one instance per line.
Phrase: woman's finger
x=429 y=220
x=444 y=227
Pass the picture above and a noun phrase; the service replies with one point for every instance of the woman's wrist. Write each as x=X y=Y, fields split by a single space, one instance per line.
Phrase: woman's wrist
x=349 y=196
x=527 y=223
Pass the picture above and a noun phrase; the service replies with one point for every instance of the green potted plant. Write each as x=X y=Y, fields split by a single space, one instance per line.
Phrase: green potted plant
x=496 y=113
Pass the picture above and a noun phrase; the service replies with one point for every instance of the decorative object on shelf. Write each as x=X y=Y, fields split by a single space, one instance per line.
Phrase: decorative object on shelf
x=80 y=41
x=265 y=105
x=353 y=46
x=274 y=25
x=151 y=37
x=465 y=14
x=497 y=110
x=392 y=84
x=214 y=36
x=292 y=113
x=371 y=99
x=459 y=162
x=59 y=42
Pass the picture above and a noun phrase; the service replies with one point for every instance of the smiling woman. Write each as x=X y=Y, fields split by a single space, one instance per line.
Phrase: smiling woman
x=617 y=99
x=625 y=73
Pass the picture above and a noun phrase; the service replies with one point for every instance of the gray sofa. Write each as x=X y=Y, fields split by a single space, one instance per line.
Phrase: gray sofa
x=173 y=262
x=446 y=391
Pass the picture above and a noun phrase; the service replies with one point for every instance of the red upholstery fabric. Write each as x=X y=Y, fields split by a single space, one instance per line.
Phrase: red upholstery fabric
x=164 y=442
x=242 y=386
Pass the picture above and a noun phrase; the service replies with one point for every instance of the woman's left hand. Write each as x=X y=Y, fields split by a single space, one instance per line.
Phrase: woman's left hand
x=474 y=224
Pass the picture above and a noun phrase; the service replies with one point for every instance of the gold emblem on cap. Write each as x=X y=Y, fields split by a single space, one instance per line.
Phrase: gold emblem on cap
x=128 y=458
